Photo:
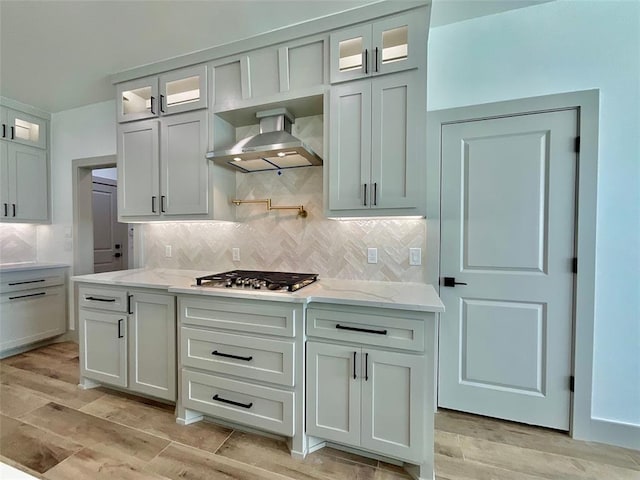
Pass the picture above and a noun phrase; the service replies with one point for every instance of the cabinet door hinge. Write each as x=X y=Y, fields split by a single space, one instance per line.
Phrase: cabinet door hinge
x=574 y=265
x=577 y=144
x=572 y=383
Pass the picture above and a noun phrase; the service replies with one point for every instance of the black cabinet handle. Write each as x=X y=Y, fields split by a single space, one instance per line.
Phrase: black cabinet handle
x=231 y=402
x=117 y=254
x=365 y=330
x=366 y=60
x=375 y=194
x=228 y=355
x=14 y=209
x=30 y=295
x=153 y=204
x=4 y=131
x=161 y=103
x=162 y=200
x=354 y=365
x=364 y=196
x=26 y=281
x=366 y=363
x=153 y=99
x=13 y=132
x=376 y=61
x=96 y=299
x=129 y=297
x=6 y=209
x=119 y=328
x=451 y=282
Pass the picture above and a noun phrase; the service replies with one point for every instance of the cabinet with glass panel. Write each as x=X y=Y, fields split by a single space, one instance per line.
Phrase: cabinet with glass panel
x=177 y=91
x=389 y=45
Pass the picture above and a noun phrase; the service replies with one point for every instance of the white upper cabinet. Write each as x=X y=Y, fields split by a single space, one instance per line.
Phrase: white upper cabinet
x=377 y=146
x=390 y=45
x=23 y=128
x=172 y=92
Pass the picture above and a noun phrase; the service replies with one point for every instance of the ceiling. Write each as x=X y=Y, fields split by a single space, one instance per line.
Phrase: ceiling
x=57 y=55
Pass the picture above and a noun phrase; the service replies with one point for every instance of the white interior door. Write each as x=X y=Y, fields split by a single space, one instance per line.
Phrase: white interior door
x=507 y=234
x=110 y=238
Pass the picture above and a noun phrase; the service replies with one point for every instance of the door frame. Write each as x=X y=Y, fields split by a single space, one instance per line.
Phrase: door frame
x=586 y=103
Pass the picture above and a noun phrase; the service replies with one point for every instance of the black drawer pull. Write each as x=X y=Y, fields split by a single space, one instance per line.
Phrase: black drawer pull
x=228 y=355
x=129 y=297
x=26 y=281
x=96 y=299
x=354 y=365
x=120 y=335
x=30 y=295
x=365 y=330
x=366 y=367
x=231 y=402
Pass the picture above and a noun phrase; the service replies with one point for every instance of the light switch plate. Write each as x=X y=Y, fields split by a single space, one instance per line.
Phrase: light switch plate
x=167 y=251
x=415 y=256
x=235 y=253
x=372 y=255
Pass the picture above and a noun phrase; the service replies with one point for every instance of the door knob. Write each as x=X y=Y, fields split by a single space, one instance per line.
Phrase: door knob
x=451 y=282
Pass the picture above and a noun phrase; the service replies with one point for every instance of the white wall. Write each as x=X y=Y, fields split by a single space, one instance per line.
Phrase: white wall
x=558 y=47
x=79 y=133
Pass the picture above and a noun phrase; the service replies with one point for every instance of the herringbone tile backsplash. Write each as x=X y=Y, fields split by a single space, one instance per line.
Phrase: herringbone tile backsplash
x=279 y=240
x=17 y=243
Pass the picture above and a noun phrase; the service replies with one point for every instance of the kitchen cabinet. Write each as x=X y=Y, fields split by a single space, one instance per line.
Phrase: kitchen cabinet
x=33 y=306
x=23 y=128
x=24 y=183
x=362 y=395
x=389 y=45
x=127 y=339
x=268 y=75
x=172 y=92
x=162 y=169
x=377 y=146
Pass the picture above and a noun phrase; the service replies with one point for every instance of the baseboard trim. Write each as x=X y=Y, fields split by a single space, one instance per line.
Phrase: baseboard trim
x=625 y=435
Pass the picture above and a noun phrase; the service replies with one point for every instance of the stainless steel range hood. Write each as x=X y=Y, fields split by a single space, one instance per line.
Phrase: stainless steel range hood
x=274 y=148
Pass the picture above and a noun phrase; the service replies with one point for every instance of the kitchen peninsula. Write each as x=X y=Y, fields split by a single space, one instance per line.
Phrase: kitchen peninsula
x=352 y=360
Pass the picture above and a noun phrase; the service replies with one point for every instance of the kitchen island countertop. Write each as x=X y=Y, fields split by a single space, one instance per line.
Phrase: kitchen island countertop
x=26 y=266
x=394 y=295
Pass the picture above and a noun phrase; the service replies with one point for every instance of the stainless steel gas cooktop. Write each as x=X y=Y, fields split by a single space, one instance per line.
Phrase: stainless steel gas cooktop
x=256 y=279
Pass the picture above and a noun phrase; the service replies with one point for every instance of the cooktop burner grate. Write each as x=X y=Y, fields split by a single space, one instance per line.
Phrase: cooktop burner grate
x=257 y=279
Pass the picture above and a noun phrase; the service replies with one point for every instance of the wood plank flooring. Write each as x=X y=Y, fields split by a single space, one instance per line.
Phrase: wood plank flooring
x=52 y=430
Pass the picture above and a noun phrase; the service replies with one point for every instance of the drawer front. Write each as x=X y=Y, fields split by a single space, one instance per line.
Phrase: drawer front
x=259 y=407
x=101 y=298
x=269 y=318
x=16 y=281
x=240 y=355
x=367 y=327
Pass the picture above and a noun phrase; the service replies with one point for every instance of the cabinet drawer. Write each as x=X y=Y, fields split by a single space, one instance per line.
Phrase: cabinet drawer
x=101 y=298
x=16 y=281
x=240 y=355
x=270 y=318
x=367 y=326
x=259 y=407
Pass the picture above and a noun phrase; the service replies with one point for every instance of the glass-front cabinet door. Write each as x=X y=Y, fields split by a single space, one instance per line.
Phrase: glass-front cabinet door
x=138 y=99
x=26 y=129
x=390 y=45
x=183 y=90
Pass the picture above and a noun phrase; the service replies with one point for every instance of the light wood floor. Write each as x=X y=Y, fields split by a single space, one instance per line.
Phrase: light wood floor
x=51 y=429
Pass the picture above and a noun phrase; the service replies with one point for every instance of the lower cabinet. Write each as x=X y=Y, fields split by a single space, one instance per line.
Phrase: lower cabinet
x=366 y=397
x=133 y=348
x=360 y=392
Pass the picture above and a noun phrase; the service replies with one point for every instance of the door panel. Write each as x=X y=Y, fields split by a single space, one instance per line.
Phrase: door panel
x=105 y=346
x=508 y=189
x=138 y=169
x=29 y=193
x=184 y=165
x=350 y=167
x=108 y=233
x=333 y=394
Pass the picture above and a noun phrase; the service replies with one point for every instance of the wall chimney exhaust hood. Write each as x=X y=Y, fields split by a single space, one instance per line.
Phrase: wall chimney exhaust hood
x=274 y=148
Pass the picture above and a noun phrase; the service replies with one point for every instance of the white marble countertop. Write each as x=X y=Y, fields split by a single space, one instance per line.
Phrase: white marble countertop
x=396 y=295
x=24 y=266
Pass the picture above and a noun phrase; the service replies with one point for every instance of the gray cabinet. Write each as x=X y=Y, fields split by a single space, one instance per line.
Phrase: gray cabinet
x=127 y=339
x=24 y=183
x=33 y=306
x=377 y=147
x=162 y=169
x=172 y=92
x=362 y=395
x=389 y=45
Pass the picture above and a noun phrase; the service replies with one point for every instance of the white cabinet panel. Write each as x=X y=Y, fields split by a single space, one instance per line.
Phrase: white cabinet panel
x=152 y=345
x=104 y=346
x=25 y=183
x=25 y=129
x=183 y=90
x=333 y=392
x=137 y=99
